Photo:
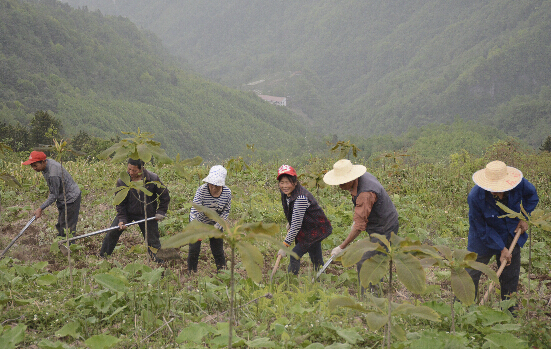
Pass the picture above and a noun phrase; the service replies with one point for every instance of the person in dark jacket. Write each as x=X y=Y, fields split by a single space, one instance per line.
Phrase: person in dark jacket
x=132 y=209
x=490 y=235
x=374 y=211
x=57 y=179
x=307 y=222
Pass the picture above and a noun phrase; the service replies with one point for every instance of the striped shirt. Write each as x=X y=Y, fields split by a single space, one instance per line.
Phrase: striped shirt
x=221 y=205
x=299 y=209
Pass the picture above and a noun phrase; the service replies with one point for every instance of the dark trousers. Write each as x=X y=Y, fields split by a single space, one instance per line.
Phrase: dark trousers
x=508 y=279
x=110 y=240
x=370 y=254
x=73 y=210
x=314 y=251
x=217 y=249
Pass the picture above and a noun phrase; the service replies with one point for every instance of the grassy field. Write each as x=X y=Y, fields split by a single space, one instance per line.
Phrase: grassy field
x=126 y=302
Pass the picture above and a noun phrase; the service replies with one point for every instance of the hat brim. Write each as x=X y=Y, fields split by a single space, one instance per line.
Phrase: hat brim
x=28 y=162
x=214 y=181
x=332 y=178
x=513 y=178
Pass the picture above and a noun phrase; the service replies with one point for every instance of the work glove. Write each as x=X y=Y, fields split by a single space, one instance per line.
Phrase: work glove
x=337 y=250
x=159 y=217
x=281 y=253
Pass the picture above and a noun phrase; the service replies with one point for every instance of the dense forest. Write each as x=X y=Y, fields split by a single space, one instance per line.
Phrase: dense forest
x=102 y=75
x=370 y=67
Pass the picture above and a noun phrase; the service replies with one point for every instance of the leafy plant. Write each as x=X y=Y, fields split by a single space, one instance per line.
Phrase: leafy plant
x=241 y=238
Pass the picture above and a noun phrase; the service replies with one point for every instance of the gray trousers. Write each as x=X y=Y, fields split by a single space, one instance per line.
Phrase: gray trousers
x=73 y=210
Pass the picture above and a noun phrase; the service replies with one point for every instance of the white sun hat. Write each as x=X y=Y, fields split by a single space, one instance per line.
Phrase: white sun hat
x=497 y=177
x=217 y=176
x=343 y=172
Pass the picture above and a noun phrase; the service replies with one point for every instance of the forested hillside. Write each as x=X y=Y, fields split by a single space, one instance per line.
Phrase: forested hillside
x=102 y=75
x=366 y=67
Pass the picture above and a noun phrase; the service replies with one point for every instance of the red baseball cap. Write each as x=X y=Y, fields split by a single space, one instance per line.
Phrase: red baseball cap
x=34 y=157
x=286 y=169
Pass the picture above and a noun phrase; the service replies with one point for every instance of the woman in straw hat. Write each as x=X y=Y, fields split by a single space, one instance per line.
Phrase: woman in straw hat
x=374 y=212
x=490 y=235
x=308 y=225
x=213 y=194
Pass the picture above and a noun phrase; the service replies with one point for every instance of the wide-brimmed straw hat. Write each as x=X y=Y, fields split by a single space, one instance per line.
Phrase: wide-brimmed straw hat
x=497 y=177
x=217 y=176
x=343 y=172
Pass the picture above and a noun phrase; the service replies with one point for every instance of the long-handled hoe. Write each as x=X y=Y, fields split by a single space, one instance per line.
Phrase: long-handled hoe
x=503 y=264
x=63 y=248
x=17 y=237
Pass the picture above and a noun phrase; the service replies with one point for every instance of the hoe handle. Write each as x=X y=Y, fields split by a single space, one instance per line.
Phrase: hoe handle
x=275 y=267
x=518 y=231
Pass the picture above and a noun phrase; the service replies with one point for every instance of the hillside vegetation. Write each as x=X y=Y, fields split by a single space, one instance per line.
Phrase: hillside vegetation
x=124 y=301
x=102 y=75
x=367 y=67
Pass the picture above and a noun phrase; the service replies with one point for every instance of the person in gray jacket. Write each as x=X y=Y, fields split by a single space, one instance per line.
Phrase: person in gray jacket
x=57 y=178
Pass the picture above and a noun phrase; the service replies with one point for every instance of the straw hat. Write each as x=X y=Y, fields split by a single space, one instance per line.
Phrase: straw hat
x=497 y=177
x=343 y=172
x=217 y=176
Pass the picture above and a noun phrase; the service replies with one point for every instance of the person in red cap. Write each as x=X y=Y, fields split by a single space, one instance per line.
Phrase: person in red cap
x=57 y=178
x=307 y=222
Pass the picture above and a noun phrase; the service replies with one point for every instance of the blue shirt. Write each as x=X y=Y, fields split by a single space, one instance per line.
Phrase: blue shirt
x=487 y=232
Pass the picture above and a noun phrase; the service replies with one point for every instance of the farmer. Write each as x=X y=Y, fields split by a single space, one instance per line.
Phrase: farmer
x=490 y=235
x=374 y=212
x=215 y=195
x=132 y=209
x=308 y=225
x=58 y=179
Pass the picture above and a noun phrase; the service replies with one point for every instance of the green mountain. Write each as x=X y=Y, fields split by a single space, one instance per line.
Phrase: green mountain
x=367 y=67
x=103 y=75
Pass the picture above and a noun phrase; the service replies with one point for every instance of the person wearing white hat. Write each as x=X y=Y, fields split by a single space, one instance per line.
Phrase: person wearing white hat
x=217 y=196
x=490 y=235
x=374 y=211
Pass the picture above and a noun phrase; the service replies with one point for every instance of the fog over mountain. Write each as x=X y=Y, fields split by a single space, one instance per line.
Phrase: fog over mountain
x=367 y=66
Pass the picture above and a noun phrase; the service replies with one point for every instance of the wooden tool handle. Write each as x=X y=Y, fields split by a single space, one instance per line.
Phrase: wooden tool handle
x=275 y=267
x=518 y=232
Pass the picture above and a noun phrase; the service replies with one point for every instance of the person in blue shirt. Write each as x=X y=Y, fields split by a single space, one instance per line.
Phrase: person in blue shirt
x=490 y=235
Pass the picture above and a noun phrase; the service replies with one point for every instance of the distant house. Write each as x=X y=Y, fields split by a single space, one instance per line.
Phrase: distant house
x=282 y=101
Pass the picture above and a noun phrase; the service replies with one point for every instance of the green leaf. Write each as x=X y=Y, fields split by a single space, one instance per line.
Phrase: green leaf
x=10 y=338
x=47 y=344
x=505 y=340
x=463 y=255
x=153 y=276
x=101 y=341
x=252 y=260
x=354 y=253
x=210 y=213
x=161 y=156
x=398 y=332
x=45 y=280
x=383 y=239
x=462 y=285
x=262 y=342
x=347 y=302
x=485 y=269
x=70 y=329
x=143 y=152
x=445 y=250
x=111 y=282
x=374 y=269
x=410 y=272
x=121 y=195
x=376 y=320
x=193 y=232
x=105 y=154
x=419 y=311
x=260 y=228
x=351 y=336
x=194 y=333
